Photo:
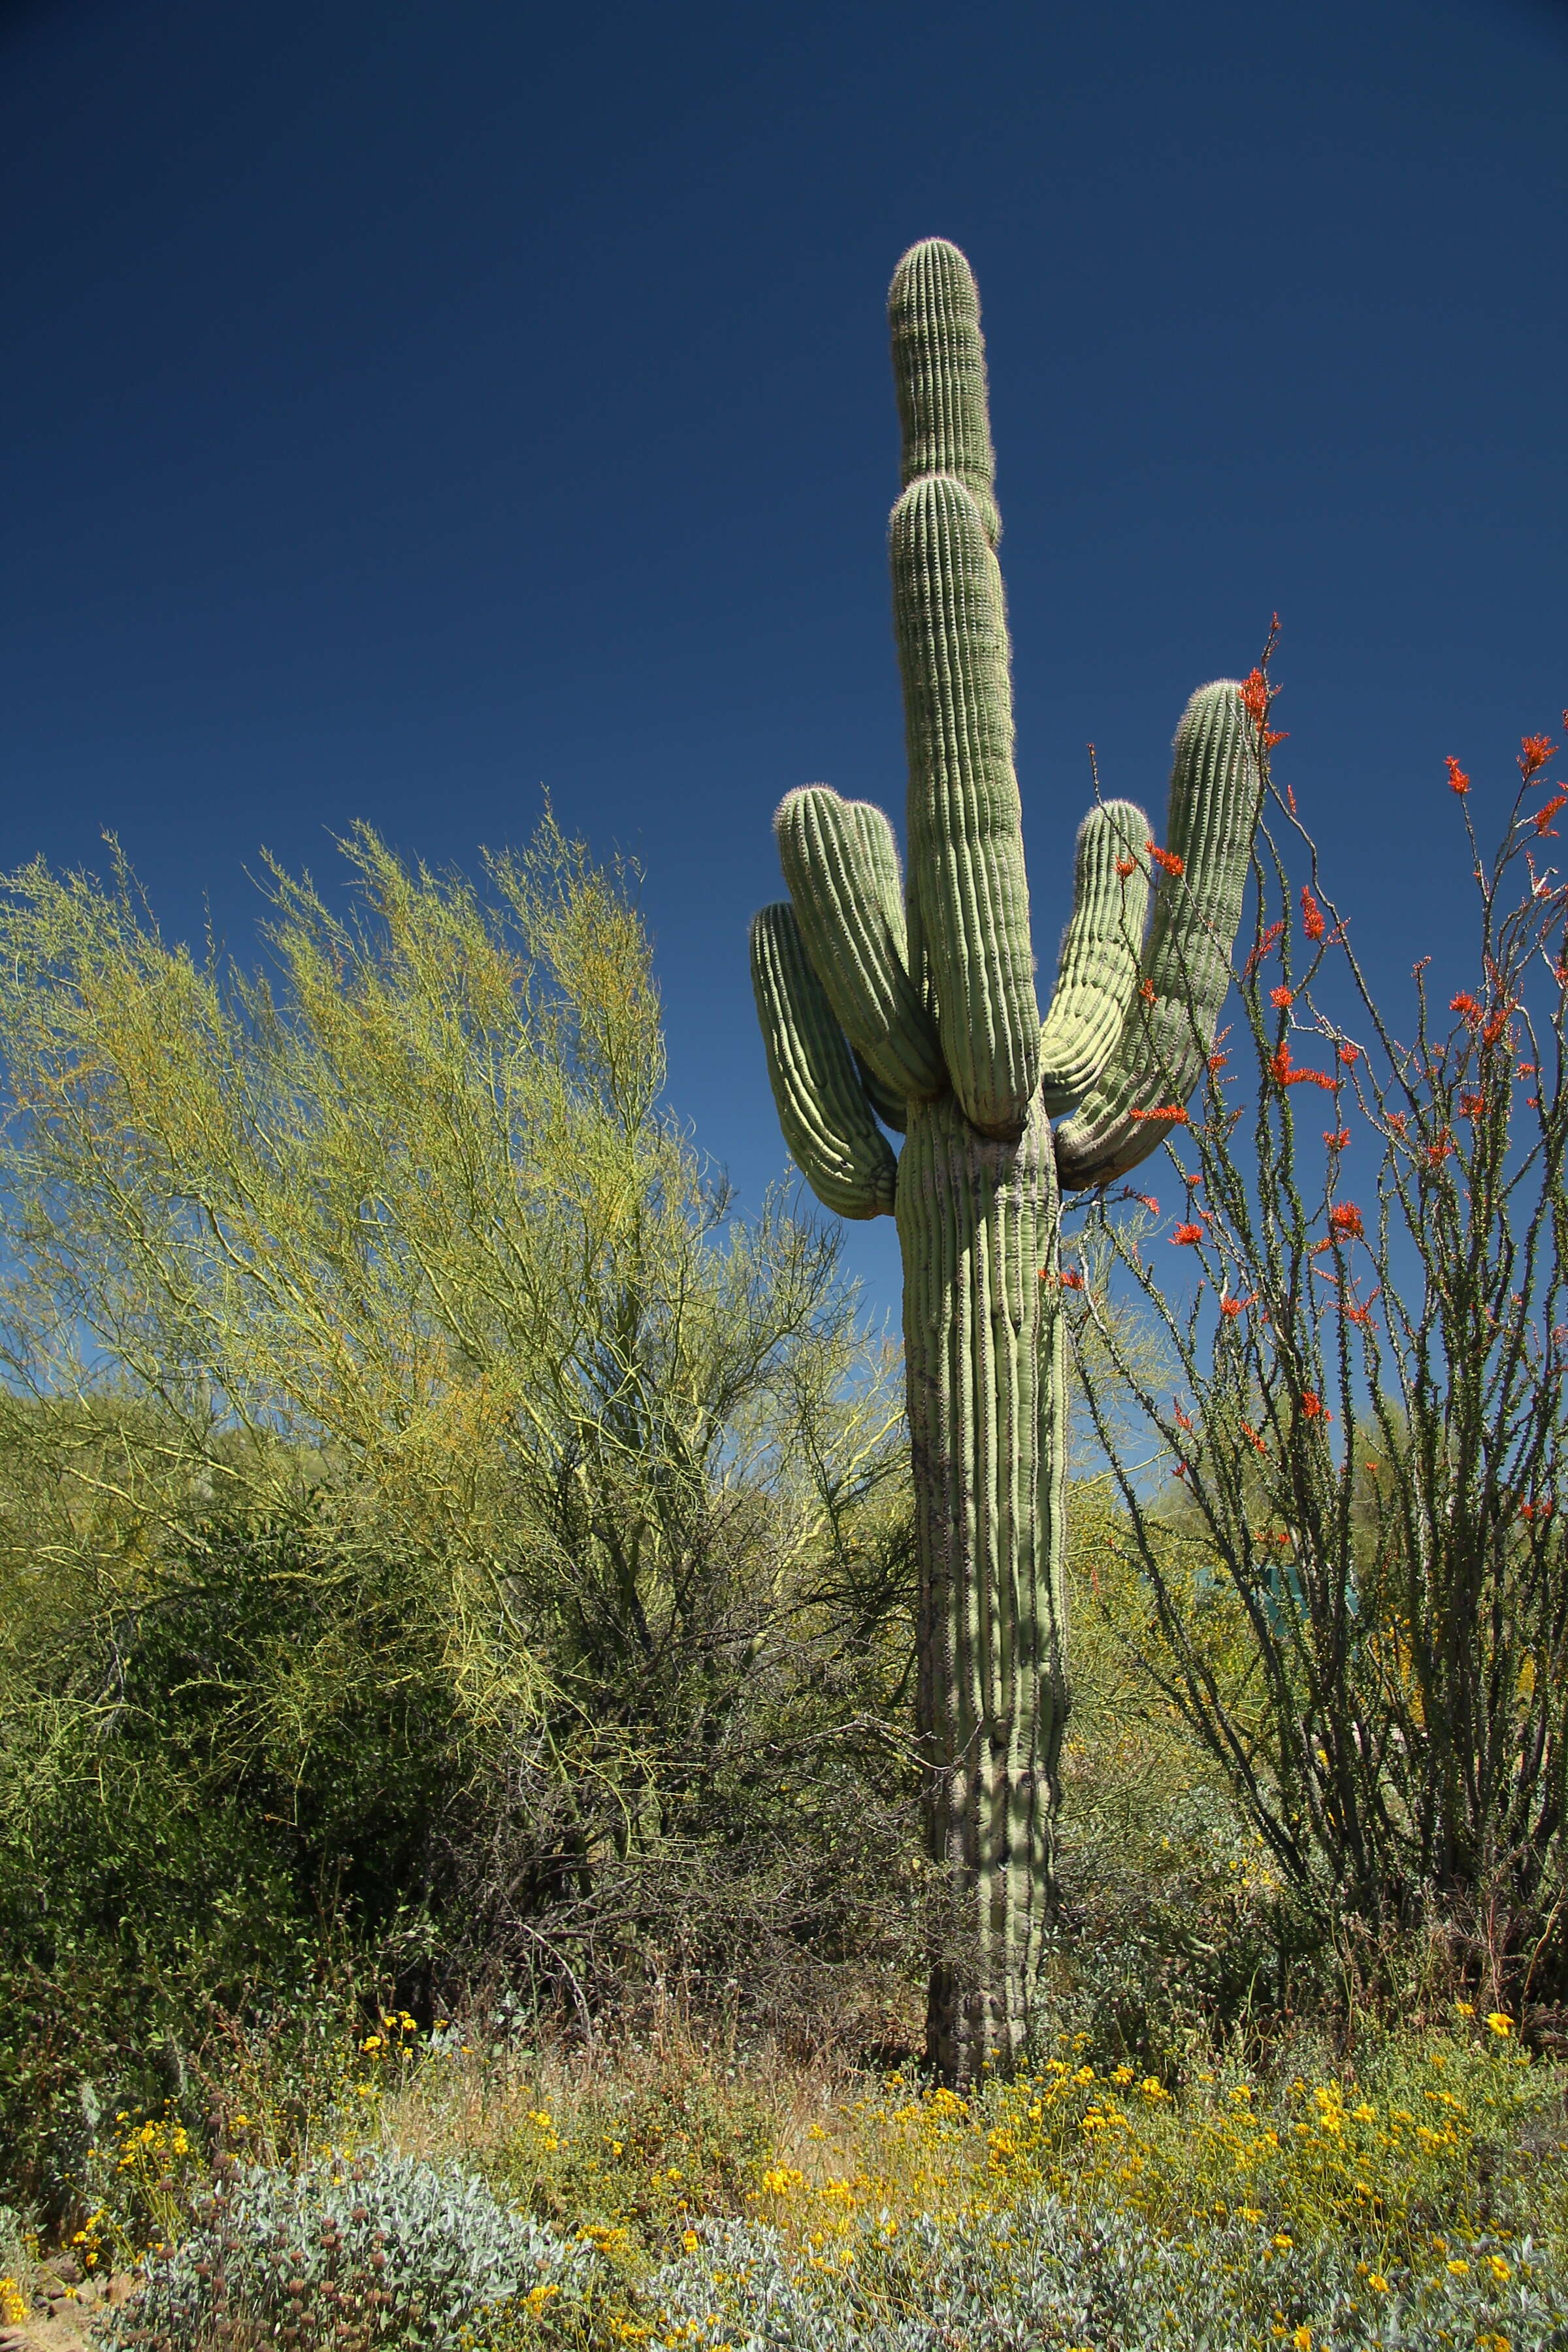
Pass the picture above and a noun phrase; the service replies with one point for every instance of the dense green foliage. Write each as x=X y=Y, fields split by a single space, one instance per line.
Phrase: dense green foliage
x=438 y=1542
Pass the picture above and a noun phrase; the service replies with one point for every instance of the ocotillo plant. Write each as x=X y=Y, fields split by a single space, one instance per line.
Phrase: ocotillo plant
x=913 y=1006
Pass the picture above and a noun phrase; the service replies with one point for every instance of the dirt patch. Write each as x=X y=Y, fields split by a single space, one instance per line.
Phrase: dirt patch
x=63 y=2321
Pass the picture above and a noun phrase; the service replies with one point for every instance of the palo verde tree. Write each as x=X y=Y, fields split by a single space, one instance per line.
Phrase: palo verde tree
x=397 y=1252
x=911 y=1006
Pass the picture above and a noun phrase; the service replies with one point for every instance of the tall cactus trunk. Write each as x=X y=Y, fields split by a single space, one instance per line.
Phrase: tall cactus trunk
x=983 y=1354
x=919 y=1012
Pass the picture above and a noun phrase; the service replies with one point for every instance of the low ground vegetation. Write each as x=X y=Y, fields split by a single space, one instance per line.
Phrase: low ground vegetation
x=428 y=2189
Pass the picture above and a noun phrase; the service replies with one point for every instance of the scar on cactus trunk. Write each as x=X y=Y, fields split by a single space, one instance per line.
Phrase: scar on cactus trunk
x=911 y=1006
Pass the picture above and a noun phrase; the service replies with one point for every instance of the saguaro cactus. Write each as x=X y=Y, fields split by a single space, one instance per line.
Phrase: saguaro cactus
x=912 y=1007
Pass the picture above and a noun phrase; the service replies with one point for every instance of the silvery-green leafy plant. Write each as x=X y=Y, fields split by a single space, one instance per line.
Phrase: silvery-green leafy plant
x=383 y=2251
x=908 y=1004
x=1056 y=2277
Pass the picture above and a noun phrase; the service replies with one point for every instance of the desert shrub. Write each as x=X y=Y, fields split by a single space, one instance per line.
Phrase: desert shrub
x=1357 y=1585
x=1074 y=2277
x=1174 y=1927
x=444 y=1553
x=232 y=1792
x=379 y=2250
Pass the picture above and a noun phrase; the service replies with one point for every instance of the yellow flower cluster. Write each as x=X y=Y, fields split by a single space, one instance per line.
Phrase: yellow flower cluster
x=1306 y=2157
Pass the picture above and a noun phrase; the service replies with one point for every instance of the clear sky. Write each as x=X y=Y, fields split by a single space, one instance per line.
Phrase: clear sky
x=406 y=404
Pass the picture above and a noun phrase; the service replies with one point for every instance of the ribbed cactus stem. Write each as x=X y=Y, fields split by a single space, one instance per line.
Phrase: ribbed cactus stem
x=938 y=373
x=822 y=1106
x=1169 y=1028
x=984 y=1355
x=965 y=824
x=842 y=868
x=891 y=1108
x=1097 y=971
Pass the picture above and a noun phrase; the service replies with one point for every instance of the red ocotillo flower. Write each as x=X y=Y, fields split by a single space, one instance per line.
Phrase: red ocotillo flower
x=1282 y=1071
x=1262 y=948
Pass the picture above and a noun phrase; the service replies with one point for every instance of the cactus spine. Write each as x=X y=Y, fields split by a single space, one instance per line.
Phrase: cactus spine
x=919 y=1010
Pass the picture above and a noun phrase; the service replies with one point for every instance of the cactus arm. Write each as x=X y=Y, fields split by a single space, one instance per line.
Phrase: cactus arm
x=938 y=370
x=822 y=1106
x=842 y=868
x=965 y=825
x=1098 y=972
x=1170 y=1025
x=891 y=1108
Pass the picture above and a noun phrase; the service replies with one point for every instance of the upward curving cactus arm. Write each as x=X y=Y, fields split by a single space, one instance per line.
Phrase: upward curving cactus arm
x=1097 y=971
x=822 y=1106
x=891 y=1108
x=842 y=868
x=1170 y=1023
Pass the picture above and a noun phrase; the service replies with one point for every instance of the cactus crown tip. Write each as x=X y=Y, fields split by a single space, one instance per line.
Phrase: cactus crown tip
x=1206 y=701
x=795 y=794
x=1116 y=813
x=937 y=253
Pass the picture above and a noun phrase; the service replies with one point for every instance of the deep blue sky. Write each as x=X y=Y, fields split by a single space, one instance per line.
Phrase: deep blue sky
x=408 y=403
